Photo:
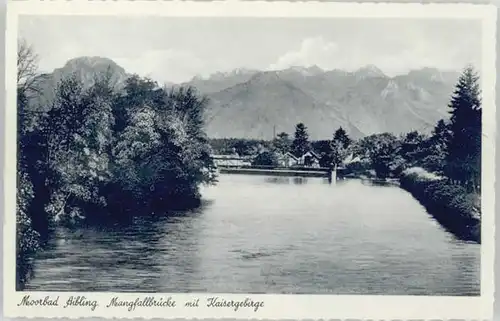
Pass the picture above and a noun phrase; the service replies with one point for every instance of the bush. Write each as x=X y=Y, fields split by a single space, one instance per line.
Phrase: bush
x=357 y=167
x=420 y=174
x=449 y=203
x=27 y=239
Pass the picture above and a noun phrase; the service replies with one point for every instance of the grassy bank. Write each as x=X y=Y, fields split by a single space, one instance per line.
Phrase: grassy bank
x=451 y=205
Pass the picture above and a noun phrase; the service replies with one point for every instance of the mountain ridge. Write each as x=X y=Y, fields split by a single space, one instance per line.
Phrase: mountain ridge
x=250 y=103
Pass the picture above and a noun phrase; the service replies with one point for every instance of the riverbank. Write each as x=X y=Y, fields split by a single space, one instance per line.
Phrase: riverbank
x=451 y=205
x=273 y=172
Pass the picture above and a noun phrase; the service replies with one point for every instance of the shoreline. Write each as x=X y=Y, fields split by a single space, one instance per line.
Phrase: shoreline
x=273 y=172
x=449 y=204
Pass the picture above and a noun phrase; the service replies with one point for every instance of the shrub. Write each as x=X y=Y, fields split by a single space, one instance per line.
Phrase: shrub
x=27 y=239
x=449 y=203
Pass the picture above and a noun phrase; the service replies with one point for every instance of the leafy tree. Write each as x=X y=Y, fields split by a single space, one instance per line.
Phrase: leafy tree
x=266 y=158
x=324 y=149
x=300 y=144
x=339 y=152
x=240 y=146
x=463 y=161
x=340 y=146
x=27 y=238
x=435 y=148
x=245 y=147
x=282 y=143
x=412 y=148
x=79 y=139
x=137 y=91
x=162 y=155
x=382 y=152
x=29 y=221
x=441 y=135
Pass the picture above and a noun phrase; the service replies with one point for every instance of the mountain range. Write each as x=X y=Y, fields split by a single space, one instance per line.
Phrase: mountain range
x=257 y=104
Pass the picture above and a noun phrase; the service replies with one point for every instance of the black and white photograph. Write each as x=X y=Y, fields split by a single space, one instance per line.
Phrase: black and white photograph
x=250 y=155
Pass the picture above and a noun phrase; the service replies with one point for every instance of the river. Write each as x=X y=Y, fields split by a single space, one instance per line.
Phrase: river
x=259 y=234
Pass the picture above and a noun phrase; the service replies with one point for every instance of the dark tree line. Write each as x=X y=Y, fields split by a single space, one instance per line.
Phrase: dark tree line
x=332 y=152
x=238 y=146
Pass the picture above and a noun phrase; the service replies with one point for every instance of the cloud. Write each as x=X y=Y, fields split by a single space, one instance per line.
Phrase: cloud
x=422 y=56
x=168 y=65
x=312 y=51
x=414 y=53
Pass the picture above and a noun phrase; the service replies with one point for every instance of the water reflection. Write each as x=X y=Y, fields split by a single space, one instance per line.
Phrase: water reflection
x=297 y=180
x=256 y=234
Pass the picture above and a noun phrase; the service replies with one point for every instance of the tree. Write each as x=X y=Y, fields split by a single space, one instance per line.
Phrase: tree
x=282 y=143
x=300 y=144
x=441 y=134
x=385 y=160
x=412 y=148
x=137 y=91
x=435 y=148
x=30 y=178
x=463 y=161
x=324 y=149
x=266 y=158
x=162 y=155
x=27 y=87
x=339 y=146
x=382 y=152
x=339 y=153
x=340 y=136
x=27 y=70
x=244 y=147
x=79 y=141
x=27 y=238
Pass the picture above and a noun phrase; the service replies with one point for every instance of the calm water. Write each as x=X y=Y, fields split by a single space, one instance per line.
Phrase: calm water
x=275 y=235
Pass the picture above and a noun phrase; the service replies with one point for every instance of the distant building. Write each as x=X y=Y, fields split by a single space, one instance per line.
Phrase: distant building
x=350 y=159
x=231 y=160
x=309 y=159
x=288 y=160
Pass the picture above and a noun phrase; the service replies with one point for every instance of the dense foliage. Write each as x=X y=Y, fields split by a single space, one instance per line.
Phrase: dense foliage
x=238 y=146
x=266 y=158
x=99 y=153
x=300 y=144
x=463 y=159
x=453 y=149
x=452 y=205
x=282 y=143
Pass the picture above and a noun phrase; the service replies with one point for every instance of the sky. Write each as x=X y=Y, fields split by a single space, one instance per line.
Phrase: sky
x=176 y=49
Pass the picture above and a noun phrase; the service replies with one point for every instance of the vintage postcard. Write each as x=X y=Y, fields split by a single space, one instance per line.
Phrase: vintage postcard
x=249 y=160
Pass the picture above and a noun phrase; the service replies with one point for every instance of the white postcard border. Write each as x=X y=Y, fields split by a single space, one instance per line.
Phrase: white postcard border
x=275 y=306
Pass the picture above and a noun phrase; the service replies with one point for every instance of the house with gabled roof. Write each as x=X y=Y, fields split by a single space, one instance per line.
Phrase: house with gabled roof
x=287 y=160
x=309 y=159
